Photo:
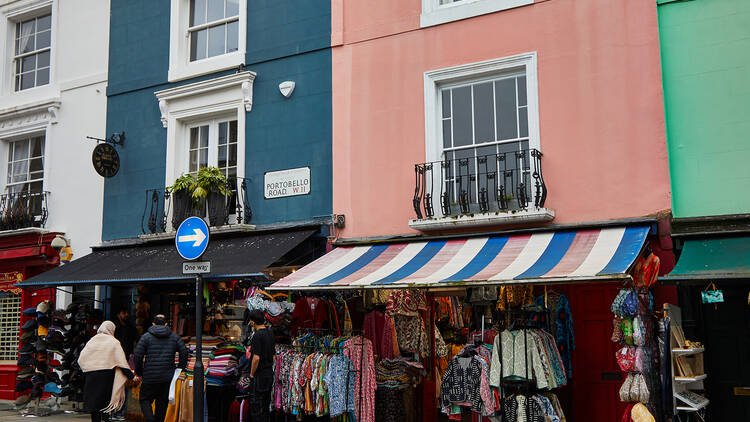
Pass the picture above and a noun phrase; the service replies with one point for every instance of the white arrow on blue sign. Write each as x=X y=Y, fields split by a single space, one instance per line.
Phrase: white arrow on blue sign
x=192 y=238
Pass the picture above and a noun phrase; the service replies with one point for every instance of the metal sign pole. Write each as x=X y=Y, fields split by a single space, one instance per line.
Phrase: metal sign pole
x=198 y=369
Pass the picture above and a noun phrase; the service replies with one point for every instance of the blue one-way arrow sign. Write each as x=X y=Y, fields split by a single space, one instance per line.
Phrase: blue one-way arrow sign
x=192 y=238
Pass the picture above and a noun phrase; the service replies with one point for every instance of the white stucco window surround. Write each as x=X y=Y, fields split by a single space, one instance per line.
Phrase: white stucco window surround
x=28 y=49
x=184 y=63
x=435 y=12
x=225 y=98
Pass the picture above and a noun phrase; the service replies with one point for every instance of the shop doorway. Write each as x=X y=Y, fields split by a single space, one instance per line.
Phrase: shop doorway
x=726 y=329
x=596 y=377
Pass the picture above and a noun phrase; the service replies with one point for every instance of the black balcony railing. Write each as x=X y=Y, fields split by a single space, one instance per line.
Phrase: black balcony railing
x=163 y=208
x=22 y=210
x=503 y=182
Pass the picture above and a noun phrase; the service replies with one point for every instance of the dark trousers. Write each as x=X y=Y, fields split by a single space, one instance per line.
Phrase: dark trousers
x=99 y=416
x=259 y=406
x=154 y=392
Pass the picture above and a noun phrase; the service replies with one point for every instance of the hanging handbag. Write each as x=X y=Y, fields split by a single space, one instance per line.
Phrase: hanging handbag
x=616 y=329
x=640 y=413
x=646 y=270
x=617 y=303
x=629 y=306
x=638 y=331
x=641 y=360
x=626 y=325
x=713 y=295
x=643 y=394
x=626 y=358
x=625 y=388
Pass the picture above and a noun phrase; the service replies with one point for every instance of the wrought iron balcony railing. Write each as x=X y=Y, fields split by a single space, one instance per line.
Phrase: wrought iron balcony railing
x=22 y=210
x=503 y=182
x=164 y=209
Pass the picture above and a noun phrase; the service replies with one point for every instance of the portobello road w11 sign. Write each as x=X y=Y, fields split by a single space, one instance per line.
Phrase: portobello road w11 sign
x=292 y=182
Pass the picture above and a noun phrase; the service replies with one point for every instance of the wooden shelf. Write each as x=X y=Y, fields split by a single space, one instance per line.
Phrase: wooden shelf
x=684 y=352
x=690 y=379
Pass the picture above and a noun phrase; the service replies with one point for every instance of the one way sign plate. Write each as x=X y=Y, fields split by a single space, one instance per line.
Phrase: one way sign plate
x=196 y=267
x=191 y=238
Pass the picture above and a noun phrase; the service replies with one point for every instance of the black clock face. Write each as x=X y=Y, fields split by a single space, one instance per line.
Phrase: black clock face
x=106 y=160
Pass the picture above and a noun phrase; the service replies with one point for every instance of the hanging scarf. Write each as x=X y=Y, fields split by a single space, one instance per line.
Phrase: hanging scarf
x=104 y=351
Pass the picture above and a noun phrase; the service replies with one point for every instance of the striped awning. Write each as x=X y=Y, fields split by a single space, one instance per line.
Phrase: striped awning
x=539 y=257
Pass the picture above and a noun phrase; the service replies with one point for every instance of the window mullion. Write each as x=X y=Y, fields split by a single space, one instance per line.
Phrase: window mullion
x=213 y=143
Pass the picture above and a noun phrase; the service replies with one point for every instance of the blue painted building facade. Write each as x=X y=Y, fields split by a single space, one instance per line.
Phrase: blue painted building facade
x=285 y=40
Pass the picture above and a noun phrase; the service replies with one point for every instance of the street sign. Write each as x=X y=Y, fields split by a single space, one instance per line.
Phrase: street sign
x=192 y=238
x=196 y=267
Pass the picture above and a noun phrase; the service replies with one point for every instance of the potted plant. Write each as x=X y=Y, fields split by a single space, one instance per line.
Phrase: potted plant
x=211 y=186
x=183 y=204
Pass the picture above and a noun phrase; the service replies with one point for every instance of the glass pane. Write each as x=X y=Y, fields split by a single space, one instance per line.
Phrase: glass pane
x=42 y=59
x=215 y=10
x=233 y=131
x=28 y=27
x=21 y=150
x=204 y=136
x=10 y=172
x=523 y=122
x=216 y=37
x=488 y=152
x=194 y=138
x=462 y=130
x=203 y=160
x=484 y=113
x=232 y=36
x=197 y=12
x=198 y=45
x=505 y=102
x=521 y=90
x=446 y=94
x=231 y=172
x=37 y=146
x=233 y=8
x=25 y=45
x=193 y=161
x=35 y=187
x=223 y=133
x=464 y=166
x=222 y=156
x=44 y=23
x=37 y=175
x=20 y=169
x=508 y=152
x=43 y=39
x=232 y=155
x=27 y=80
x=42 y=76
x=35 y=165
x=447 y=133
x=28 y=63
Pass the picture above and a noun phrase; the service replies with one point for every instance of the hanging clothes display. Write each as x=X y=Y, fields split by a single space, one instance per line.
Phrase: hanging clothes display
x=527 y=355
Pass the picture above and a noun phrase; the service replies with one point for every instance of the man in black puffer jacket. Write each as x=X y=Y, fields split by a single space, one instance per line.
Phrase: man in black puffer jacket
x=154 y=362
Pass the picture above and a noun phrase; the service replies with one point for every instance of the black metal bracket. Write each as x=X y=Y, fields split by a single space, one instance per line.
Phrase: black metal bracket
x=115 y=139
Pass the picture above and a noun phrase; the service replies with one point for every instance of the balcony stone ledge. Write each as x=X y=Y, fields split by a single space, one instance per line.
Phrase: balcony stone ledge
x=538 y=215
x=226 y=229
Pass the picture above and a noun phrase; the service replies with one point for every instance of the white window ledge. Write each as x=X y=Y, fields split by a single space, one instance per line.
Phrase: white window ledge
x=30 y=117
x=435 y=14
x=540 y=215
x=206 y=66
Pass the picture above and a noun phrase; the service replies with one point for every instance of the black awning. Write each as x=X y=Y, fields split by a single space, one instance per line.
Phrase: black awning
x=234 y=257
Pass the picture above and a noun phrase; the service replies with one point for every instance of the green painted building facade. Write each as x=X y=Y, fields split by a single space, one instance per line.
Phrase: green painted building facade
x=705 y=51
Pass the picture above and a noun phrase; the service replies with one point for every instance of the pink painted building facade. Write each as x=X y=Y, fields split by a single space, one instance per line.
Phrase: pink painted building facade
x=466 y=117
x=409 y=75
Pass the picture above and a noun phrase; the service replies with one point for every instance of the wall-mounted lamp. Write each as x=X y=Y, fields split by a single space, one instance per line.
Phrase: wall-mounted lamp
x=62 y=245
x=286 y=88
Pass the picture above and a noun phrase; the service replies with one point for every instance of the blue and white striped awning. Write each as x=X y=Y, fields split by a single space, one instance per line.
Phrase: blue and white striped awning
x=540 y=257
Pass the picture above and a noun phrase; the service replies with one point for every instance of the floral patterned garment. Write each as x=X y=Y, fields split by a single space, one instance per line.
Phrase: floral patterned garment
x=406 y=302
x=359 y=350
x=338 y=376
x=412 y=336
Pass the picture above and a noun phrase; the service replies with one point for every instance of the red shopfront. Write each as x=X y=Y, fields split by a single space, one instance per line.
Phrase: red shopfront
x=22 y=256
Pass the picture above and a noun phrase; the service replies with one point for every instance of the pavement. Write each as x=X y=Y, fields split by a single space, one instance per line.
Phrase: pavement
x=8 y=413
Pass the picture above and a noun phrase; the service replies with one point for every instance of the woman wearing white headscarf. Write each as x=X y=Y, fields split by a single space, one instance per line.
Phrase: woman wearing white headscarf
x=104 y=387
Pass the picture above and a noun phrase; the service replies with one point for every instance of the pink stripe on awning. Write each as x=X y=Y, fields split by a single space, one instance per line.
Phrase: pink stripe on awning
x=438 y=261
x=576 y=254
x=507 y=255
x=319 y=264
x=385 y=257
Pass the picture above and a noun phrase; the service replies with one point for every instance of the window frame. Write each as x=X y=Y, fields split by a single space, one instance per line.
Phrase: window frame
x=436 y=80
x=18 y=57
x=434 y=13
x=13 y=14
x=180 y=66
x=8 y=162
x=212 y=156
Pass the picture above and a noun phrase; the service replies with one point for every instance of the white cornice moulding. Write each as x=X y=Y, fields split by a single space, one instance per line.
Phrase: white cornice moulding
x=21 y=119
x=239 y=83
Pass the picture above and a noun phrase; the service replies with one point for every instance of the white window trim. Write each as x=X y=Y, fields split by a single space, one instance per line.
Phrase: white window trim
x=227 y=98
x=180 y=66
x=213 y=139
x=435 y=79
x=23 y=11
x=433 y=13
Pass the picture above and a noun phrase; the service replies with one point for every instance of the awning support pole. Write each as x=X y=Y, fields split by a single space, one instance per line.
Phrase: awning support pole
x=198 y=369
